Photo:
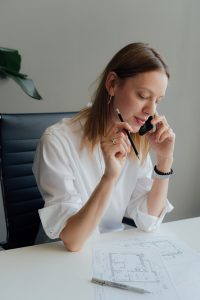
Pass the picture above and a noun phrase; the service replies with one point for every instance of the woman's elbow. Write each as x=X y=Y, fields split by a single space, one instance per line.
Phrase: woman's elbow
x=71 y=237
x=72 y=247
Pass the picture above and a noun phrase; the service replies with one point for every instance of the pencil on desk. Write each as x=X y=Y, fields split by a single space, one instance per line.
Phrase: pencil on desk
x=119 y=286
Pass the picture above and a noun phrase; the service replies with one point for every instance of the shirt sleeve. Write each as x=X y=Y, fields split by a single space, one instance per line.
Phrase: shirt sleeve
x=137 y=207
x=56 y=182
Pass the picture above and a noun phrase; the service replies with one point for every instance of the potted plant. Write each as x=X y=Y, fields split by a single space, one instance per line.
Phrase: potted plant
x=10 y=64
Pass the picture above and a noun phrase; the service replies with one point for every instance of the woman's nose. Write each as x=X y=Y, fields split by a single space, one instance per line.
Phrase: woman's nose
x=150 y=109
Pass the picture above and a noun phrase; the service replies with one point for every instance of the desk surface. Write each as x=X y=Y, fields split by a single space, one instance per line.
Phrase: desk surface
x=49 y=272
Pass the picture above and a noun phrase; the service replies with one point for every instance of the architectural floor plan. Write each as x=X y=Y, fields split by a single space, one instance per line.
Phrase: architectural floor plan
x=162 y=265
x=132 y=265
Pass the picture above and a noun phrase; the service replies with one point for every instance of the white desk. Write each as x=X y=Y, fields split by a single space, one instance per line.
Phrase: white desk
x=49 y=272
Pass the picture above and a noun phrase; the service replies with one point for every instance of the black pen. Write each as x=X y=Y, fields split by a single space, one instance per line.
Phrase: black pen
x=128 y=134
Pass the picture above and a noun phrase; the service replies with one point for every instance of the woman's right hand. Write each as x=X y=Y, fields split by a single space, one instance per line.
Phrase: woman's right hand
x=115 y=147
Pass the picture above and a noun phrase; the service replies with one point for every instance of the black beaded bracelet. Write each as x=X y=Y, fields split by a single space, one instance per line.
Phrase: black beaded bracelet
x=162 y=173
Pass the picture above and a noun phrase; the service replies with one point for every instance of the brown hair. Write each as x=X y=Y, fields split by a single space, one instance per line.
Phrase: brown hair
x=130 y=61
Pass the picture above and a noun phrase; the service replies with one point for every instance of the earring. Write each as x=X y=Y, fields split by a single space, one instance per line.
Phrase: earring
x=110 y=98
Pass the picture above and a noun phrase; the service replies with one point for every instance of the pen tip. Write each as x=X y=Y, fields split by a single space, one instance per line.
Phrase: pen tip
x=117 y=110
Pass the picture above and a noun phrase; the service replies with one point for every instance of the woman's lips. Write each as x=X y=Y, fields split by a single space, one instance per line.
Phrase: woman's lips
x=139 y=121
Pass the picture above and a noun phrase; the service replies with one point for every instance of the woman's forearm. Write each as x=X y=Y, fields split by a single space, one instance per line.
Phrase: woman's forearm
x=156 y=199
x=80 y=226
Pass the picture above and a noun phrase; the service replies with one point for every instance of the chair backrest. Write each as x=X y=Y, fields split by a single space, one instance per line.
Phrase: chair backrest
x=3 y=228
x=19 y=134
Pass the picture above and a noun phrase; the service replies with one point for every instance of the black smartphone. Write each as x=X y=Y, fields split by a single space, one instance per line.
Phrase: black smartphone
x=146 y=127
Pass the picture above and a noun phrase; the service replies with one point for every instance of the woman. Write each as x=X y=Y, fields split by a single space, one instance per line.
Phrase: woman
x=85 y=168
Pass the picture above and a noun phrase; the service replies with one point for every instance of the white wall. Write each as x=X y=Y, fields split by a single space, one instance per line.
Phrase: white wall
x=65 y=45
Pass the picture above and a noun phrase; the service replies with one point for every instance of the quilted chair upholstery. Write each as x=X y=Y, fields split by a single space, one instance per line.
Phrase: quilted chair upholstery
x=20 y=197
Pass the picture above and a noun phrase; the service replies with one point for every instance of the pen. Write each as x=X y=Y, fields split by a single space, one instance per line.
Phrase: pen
x=119 y=286
x=128 y=134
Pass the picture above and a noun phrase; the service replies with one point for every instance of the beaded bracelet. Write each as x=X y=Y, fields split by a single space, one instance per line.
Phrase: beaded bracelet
x=162 y=175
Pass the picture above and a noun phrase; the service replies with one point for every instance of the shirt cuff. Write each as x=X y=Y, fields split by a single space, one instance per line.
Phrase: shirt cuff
x=54 y=218
x=147 y=222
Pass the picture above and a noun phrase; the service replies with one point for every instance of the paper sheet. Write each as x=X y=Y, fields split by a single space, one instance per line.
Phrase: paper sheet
x=133 y=265
x=166 y=263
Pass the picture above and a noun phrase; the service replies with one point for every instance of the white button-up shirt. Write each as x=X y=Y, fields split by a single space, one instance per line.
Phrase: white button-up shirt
x=67 y=176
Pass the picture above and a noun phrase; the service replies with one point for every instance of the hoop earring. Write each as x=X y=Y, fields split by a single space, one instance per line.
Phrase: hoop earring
x=110 y=98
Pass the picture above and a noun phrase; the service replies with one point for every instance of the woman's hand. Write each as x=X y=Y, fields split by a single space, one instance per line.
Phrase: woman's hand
x=162 y=141
x=115 y=147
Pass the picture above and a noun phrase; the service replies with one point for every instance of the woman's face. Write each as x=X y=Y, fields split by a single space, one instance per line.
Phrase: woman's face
x=138 y=96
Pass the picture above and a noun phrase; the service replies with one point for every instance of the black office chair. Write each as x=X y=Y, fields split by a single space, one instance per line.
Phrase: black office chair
x=19 y=134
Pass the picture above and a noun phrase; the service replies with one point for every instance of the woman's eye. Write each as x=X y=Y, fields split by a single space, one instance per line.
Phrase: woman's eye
x=142 y=96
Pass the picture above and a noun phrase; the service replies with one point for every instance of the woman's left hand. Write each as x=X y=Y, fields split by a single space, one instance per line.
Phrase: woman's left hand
x=162 y=141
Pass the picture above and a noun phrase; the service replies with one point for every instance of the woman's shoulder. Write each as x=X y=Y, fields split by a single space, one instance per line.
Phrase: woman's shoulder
x=64 y=128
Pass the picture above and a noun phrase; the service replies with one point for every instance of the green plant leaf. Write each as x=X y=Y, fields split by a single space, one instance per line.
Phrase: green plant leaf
x=11 y=72
x=10 y=63
x=28 y=86
x=10 y=58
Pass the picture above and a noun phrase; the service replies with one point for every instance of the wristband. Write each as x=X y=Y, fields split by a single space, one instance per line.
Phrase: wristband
x=162 y=175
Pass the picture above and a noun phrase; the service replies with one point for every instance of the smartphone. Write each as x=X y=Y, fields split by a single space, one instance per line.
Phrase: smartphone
x=146 y=127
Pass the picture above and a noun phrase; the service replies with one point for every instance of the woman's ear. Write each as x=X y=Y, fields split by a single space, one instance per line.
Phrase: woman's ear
x=111 y=83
